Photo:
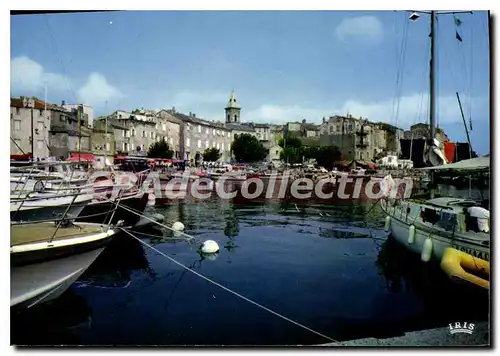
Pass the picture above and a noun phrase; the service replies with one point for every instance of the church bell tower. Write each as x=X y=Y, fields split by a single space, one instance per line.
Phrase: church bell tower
x=232 y=110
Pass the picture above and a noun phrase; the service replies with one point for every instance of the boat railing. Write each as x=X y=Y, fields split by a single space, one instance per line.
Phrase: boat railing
x=61 y=221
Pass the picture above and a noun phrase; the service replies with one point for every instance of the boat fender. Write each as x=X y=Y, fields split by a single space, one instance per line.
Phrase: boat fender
x=427 y=250
x=209 y=246
x=387 y=223
x=178 y=226
x=411 y=234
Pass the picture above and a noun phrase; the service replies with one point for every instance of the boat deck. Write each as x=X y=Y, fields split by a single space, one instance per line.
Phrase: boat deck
x=38 y=232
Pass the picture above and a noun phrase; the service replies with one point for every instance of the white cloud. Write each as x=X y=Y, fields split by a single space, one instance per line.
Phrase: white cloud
x=28 y=75
x=412 y=109
x=368 y=29
x=96 y=91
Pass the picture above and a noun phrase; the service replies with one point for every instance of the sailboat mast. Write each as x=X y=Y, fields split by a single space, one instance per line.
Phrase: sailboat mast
x=432 y=74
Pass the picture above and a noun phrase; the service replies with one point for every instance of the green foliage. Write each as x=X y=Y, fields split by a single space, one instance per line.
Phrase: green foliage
x=294 y=142
x=291 y=155
x=211 y=154
x=326 y=155
x=247 y=148
x=295 y=152
x=160 y=149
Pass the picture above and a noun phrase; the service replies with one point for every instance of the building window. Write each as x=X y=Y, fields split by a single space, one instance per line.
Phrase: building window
x=17 y=125
x=199 y=128
x=208 y=131
x=206 y=144
x=235 y=118
x=133 y=132
x=164 y=127
x=152 y=134
x=213 y=144
x=199 y=143
x=124 y=133
x=213 y=132
x=228 y=117
x=218 y=145
x=188 y=142
x=222 y=146
x=277 y=152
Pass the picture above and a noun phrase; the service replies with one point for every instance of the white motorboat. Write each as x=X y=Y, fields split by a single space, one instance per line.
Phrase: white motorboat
x=47 y=257
x=46 y=206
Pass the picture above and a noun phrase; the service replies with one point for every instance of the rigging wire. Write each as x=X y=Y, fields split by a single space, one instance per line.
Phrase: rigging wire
x=61 y=62
x=401 y=56
x=227 y=289
x=463 y=66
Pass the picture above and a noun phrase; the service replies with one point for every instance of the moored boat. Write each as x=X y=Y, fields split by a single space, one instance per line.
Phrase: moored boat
x=47 y=257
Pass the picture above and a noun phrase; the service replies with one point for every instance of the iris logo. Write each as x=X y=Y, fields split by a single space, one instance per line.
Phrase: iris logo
x=463 y=328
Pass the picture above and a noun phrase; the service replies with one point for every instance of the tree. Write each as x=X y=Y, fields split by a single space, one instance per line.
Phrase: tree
x=160 y=149
x=290 y=142
x=211 y=154
x=247 y=148
x=326 y=155
x=291 y=155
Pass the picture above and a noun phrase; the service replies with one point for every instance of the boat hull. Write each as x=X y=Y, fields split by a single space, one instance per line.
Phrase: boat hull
x=41 y=282
x=38 y=211
x=400 y=229
x=100 y=212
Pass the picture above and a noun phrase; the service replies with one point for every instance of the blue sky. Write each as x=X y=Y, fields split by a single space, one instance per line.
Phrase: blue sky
x=283 y=66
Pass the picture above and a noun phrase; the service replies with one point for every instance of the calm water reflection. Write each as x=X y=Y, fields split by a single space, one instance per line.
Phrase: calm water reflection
x=330 y=268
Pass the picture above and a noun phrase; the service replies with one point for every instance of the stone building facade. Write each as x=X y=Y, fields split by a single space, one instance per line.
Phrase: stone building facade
x=22 y=130
x=358 y=138
x=196 y=135
x=70 y=132
x=423 y=131
x=134 y=132
x=172 y=125
x=103 y=145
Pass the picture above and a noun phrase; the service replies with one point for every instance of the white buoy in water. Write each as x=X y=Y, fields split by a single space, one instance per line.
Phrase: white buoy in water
x=209 y=246
x=178 y=226
x=411 y=234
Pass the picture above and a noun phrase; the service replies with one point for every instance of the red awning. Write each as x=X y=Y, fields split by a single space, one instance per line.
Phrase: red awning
x=85 y=157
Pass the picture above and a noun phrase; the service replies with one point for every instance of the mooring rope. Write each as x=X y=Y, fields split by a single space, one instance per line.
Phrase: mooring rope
x=227 y=289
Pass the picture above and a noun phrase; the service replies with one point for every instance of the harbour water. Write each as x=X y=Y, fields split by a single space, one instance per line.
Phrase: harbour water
x=330 y=268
